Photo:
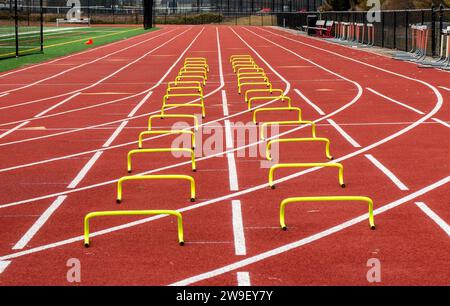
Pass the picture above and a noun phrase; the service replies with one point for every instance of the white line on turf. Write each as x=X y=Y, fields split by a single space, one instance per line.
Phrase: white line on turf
x=439 y=221
x=318 y=109
x=88 y=63
x=243 y=279
x=445 y=88
x=395 y=101
x=2 y=95
x=293 y=245
x=238 y=228
x=38 y=224
x=387 y=172
x=344 y=134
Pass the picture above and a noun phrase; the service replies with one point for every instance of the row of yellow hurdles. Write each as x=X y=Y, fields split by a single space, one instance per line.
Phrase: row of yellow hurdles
x=249 y=74
x=190 y=81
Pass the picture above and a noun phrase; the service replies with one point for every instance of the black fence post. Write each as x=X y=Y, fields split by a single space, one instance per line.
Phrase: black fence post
x=42 y=24
x=395 y=29
x=16 y=22
x=433 y=30
x=382 y=28
x=406 y=30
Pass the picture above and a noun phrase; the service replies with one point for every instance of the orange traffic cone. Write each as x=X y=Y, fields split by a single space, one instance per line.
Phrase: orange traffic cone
x=89 y=42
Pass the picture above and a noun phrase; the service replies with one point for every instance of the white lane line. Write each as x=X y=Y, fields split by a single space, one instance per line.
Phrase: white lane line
x=442 y=224
x=272 y=253
x=115 y=134
x=138 y=106
x=228 y=135
x=238 y=228
x=13 y=129
x=3 y=265
x=441 y=122
x=437 y=107
x=296 y=244
x=85 y=170
x=243 y=279
x=234 y=185
x=39 y=223
x=445 y=88
x=344 y=134
x=225 y=103
x=2 y=95
x=56 y=105
x=387 y=172
x=395 y=101
x=318 y=109
x=88 y=63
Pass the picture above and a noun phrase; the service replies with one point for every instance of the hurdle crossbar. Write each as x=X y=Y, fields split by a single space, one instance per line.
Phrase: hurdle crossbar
x=261 y=90
x=133 y=213
x=166 y=132
x=160 y=150
x=286 y=140
x=173 y=116
x=155 y=177
x=265 y=124
x=306 y=165
x=267 y=98
x=323 y=199
x=259 y=110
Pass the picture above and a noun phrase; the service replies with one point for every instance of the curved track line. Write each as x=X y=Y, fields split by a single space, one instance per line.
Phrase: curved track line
x=77 y=67
x=68 y=56
x=354 y=100
x=380 y=210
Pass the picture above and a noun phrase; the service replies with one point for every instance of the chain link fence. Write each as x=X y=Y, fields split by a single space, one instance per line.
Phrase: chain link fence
x=21 y=24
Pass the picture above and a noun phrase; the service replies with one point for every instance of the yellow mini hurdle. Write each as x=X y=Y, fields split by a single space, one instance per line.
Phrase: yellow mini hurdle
x=286 y=140
x=188 y=77
x=265 y=124
x=242 y=61
x=234 y=57
x=174 y=84
x=193 y=73
x=199 y=96
x=242 y=84
x=155 y=177
x=306 y=165
x=262 y=90
x=260 y=110
x=255 y=74
x=274 y=98
x=197 y=69
x=173 y=116
x=248 y=70
x=160 y=150
x=192 y=64
x=244 y=65
x=133 y=213
x=166 y=132
x=326 y=198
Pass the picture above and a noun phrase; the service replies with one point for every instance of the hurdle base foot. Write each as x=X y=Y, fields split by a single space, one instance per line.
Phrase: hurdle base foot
x=129 y=171
x=284 y=228
x=272 y=187
x=372 y=227
x=194 y=170
x=343 y=186
x=181 y=243
x=86 y=245
x=118 y=201
x=192 y=199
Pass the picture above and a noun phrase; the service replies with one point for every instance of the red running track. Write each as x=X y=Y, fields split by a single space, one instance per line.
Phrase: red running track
x=109 y=97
